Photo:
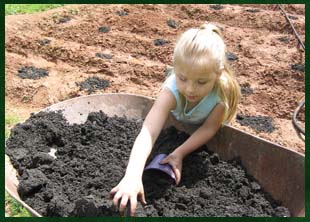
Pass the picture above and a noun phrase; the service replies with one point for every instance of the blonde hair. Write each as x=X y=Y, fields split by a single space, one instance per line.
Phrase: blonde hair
x=204 y=48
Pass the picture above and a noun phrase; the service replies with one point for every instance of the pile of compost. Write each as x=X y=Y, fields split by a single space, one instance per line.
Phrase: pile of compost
x=91 y=158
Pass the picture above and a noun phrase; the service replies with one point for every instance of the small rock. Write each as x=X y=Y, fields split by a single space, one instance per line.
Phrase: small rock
x=44 y=41
x=298 y=67
x=104 y=29
x=231 y=56
x=253 y=10
x=171 y=23
x=122 y=13
x=217 y=7
x=293 y=17
x=64 y=19
x=103 y=55
x=284 y=39
x=246 y=89
x=159 y=42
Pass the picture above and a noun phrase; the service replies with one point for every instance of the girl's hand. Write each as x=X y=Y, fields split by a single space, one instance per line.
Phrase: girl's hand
x=175 y=160
x=128 y=190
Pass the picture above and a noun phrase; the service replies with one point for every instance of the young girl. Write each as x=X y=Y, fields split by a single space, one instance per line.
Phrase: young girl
x=201 y=90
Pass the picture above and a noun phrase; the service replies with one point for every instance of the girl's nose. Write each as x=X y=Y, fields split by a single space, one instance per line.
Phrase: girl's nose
x=190 y=88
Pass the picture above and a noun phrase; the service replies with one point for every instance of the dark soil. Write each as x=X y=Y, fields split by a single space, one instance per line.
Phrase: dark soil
x=231 y=56
x=246 y=89
x=91 y=158
x=171 y=23
x=216 y=7
x=160 y=42
x=44 y=42
x=104 y=29
x=122 y=13
x=259 y=123
x=252 y=10
x=92 y=84
x=63 y=20
x=298 y=67
x=104 y=55
x=30 y=72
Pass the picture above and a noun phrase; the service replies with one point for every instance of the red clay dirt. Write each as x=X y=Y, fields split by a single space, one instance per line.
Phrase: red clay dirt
x=66 y=42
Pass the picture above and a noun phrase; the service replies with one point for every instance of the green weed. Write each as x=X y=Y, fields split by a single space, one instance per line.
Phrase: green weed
x=14 y=9
x=16 y=210
x=10 y=121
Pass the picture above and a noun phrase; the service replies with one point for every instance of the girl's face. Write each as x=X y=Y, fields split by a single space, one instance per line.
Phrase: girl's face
x=194 y=84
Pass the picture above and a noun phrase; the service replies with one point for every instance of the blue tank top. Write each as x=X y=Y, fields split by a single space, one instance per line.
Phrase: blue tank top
x=199 y=113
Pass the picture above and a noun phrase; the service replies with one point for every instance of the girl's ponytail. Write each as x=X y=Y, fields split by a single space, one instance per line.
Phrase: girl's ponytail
x=229 y=91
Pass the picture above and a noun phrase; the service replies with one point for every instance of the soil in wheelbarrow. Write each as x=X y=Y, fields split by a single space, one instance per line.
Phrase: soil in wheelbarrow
x=91 y=158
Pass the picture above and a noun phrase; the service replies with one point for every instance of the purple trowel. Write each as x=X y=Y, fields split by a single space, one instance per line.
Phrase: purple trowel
x=166 y=168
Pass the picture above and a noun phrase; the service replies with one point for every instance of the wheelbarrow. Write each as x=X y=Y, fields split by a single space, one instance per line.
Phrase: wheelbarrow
x=279 y=170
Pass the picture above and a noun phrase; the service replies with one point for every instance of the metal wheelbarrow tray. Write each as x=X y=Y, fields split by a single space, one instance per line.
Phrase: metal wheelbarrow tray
x=280 y=171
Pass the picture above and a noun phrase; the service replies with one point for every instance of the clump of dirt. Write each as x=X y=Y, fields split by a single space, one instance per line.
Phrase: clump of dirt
x=284 y=39
x=104 y=29
x=252 y=10
x=160 y=42
x=258 y=123
x=298 y=67
x=63 y=19
x=171 y=23
x=92 y=157
x=231 y=56
x=104 y=55
x=30 y=72
x=246 y=89
x=44 y=42
x=122 y=13
x=217 y=7
x=92 y=84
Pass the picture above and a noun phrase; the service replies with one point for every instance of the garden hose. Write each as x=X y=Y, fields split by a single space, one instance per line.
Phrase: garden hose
x=295 y=32
x=295 y=119
x=301 y=104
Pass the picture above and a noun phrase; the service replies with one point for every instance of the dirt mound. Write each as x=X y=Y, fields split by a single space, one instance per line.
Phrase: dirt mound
x=30 y=72
x=92 y=157
x=92 y=84
x=258 y=123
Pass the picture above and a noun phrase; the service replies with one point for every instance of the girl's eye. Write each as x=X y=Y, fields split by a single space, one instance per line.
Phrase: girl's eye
x=202 y=82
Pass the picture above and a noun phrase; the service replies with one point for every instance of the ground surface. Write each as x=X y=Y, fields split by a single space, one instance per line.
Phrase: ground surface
x=116 y=44
x=91 y=158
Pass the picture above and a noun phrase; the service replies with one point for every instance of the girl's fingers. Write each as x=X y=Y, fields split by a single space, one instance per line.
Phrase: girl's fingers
x=113 y=192
x=165 y=160
x=133 y=206
x=116 y=198
x=123 y=204
x=142 y=197
x=177 y=173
